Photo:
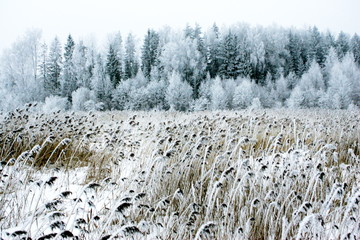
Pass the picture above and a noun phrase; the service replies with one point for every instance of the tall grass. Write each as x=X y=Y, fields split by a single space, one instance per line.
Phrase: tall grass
x=224 y=175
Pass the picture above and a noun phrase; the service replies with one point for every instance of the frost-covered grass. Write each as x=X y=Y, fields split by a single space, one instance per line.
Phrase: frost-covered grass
x=275 y=174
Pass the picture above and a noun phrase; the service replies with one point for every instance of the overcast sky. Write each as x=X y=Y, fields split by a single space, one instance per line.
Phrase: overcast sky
x=82 y=18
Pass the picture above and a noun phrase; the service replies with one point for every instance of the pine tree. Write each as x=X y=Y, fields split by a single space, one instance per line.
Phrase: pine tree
x=53 y=66
x=43 y=63
x=199 y=74
x=114 y=61
x=317 y=48
x=189 y=32
x=113 y=66
x=150 y=53
x=200 y=41
x=342 y=45
x=131 y=63
x=257 y=57
x=295 y=61
x=276 y=53
x=243 y=58
x=68 y=83
x=329 y=40
x=229 y=67
x=355 y=48
x=213 y=51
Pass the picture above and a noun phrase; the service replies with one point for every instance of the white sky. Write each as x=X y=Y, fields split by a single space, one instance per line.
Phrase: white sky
x=82 y=18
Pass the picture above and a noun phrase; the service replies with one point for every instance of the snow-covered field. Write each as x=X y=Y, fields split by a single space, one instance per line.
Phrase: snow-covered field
x=264 y=174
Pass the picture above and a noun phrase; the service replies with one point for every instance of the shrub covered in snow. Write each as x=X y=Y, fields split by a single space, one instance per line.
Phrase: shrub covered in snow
x=55 y=103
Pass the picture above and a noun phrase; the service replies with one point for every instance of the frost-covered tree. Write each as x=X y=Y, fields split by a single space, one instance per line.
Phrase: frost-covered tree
x=150 y=52
x=101 y=84
x=294 y=60
x=342 y=45
x=267 y=93
x=329 y=40
x=121 y=95
x=317 y=48
x=54 y=67
x=219 y=99
x=229 y=86
x=43 y=59
x=275 y=42
x=200 y=73
x=155 y=93
x=282 y=90
x=275 y=60
x=68 y=80
x=137 y=97
x=83 y=99
x=113 y=66
x=244 y=56
x=310 y=89
x=183 y=57
x=114 y=61
x=147 y=95
x=213 y=45
x=355 y=48
x=330 y=61
x=244 y=94
x=19 y=72
x=257 y=56
x=179 y=93
x=352 y=72
x=131 y=61
x=292 y=80
x=203 y=102
x=339 y=91
x=229 y=57
x=82 y=65
x=55 y=103
x=123 y=98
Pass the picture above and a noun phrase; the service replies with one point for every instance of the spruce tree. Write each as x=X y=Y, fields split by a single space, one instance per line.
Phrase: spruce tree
x=342 y=45
x=68 y=83
x=355 y=48
x=213 y=50
x=317 y=48
x=229 y=67
x=131 y=63
x=243 y=58
x=43 y=74
x=150 y=52
x=113 y=66
x=200 y=73
x=294 y=60
x=53 y=67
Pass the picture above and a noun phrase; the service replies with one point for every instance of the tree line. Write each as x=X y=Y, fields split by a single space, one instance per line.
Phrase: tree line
x=221 y=68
